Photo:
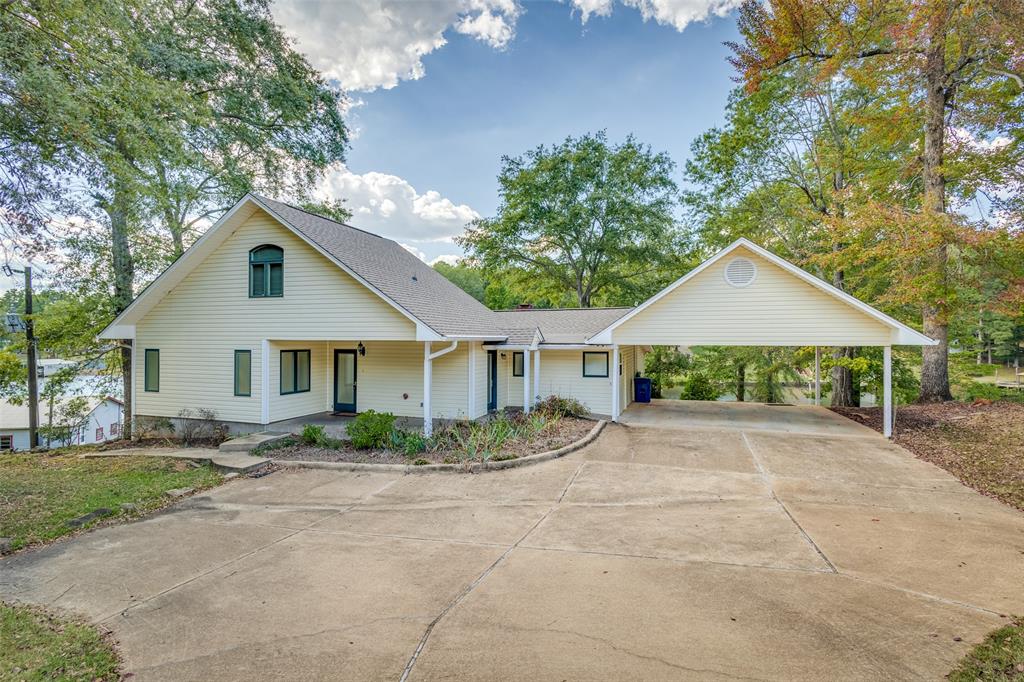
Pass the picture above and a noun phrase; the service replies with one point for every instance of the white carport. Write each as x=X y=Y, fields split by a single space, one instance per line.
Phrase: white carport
x=747 y=296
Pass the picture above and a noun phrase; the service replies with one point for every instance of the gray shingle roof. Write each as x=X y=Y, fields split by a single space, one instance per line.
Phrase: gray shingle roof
x=562 y=325
x=418 y=288
x=428 y=295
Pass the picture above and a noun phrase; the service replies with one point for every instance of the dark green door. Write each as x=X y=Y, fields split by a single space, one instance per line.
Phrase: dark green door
x=344 y=380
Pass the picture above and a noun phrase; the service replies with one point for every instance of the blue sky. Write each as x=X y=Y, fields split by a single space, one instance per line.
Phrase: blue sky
x=429 y=137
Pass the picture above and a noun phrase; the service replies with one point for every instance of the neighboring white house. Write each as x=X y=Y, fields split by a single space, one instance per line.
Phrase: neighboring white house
x=276 y=313
x=102 y=422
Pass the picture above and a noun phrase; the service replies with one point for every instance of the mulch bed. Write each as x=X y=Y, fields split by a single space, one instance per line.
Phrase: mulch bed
x=981 y=444
x=568 y=430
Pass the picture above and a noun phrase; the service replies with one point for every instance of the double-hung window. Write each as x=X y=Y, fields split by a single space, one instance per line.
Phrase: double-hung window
x=294 y=371
x=266 y=271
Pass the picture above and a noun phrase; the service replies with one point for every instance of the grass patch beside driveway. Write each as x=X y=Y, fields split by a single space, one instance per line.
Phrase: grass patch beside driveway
x=35 y=645
x=40 y=493
x=999 y=658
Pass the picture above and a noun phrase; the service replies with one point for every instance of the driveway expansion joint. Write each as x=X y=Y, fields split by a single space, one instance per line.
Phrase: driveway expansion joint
x=771 y=489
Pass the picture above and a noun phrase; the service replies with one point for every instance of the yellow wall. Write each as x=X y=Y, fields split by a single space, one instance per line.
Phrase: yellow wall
x=199 y=324
x=777 y=309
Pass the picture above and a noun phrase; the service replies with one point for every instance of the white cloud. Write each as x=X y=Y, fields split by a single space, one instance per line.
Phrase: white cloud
x=676 y=13
x=449 y=258
x=414 y=251
x=388 y=205
x=370 y=44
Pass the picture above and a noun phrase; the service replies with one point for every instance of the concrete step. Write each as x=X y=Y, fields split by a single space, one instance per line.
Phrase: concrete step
x=252 y=441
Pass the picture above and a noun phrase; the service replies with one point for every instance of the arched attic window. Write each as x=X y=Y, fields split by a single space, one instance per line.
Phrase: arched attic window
x=266 y=271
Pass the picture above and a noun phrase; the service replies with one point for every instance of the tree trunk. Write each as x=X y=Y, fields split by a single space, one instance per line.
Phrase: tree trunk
x=741 y=381
x=124 y=278
x=843 y=394
x=935 y=359
x=842 y=377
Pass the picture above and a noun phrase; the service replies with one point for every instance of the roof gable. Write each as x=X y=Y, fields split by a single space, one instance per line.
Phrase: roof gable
x=787 y=306
x=420 y=293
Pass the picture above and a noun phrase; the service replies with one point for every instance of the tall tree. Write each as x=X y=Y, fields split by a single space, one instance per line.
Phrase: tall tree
x=585 y=215
x=956 y=59
x=171 y=108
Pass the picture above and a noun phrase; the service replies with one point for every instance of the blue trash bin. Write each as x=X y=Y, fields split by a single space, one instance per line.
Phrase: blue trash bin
x=642 y=390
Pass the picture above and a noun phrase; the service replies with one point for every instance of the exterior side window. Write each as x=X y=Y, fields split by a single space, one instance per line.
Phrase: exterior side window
x=595 y=364
x=266 y=271
x=6 y=442
x=294 y=371
x=243 y=372
x=151 y=379
x=517 y=364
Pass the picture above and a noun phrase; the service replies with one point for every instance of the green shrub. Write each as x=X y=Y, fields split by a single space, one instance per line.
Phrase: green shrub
x=698 y=387
x=371 y=430
x=970 y=391
x=409 y=443
x=313 y=434
x=557 y=406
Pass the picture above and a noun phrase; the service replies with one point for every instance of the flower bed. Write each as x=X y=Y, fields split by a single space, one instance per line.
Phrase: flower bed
x=508 y=435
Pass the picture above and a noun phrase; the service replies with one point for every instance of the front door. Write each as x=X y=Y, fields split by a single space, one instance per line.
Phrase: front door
x=492 y=380
x=344 y=380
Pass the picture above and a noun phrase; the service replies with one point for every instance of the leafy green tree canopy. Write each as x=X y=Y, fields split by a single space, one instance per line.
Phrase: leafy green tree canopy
x=586 y=215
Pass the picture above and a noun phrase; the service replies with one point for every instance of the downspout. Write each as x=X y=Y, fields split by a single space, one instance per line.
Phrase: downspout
x=428 y=365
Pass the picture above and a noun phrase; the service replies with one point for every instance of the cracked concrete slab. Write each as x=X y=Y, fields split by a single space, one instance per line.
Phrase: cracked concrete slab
x=719 y=451
x=622 y=483
x=471 y=521
x=316 y=591
x=751 y=532
x=673 y=552
x=979 y=561
x=690 y=621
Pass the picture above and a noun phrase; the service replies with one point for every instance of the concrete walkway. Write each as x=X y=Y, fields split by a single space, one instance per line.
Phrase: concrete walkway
x=654 y=553
x=227 y=462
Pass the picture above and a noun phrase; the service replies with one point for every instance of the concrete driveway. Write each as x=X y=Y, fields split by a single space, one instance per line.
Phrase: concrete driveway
x=667 y=552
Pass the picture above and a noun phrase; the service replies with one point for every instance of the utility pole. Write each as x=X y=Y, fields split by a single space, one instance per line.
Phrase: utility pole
x=33 y=386
x=30 y=339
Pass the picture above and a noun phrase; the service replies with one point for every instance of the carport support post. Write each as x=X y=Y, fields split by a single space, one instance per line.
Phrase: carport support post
x=527 y=403
x=428 y=422
x=614 y=372
x=536 y=376
x=817 y=375
x=887 y=391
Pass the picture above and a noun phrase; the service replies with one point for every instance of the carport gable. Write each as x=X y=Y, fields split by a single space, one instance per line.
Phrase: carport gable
x=747 y=296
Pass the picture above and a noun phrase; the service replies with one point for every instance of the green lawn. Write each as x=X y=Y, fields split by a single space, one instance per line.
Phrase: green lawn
x=1000 y=658
x=37 y=646
x=40 y=493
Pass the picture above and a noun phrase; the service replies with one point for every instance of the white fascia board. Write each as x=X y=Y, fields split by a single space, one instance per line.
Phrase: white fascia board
x=906 y=335
x=475 y=337
x=574 y=346
x=118 y=331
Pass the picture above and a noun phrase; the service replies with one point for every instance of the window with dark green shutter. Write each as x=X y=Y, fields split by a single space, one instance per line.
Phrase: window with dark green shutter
x=243 y=372
x=151 y=371
x=294 y=371
x=266 y=271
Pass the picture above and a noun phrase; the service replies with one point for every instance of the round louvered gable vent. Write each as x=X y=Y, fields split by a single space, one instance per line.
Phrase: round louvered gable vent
x=740 y=272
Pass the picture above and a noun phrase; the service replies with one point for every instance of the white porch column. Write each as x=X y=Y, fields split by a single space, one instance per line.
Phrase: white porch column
x=527 y=401
x=887 y=391
x=614 y=372
x=265 y=381
x=428 y=421
x=817 y=375
x=471 y=383
x=536 y=375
